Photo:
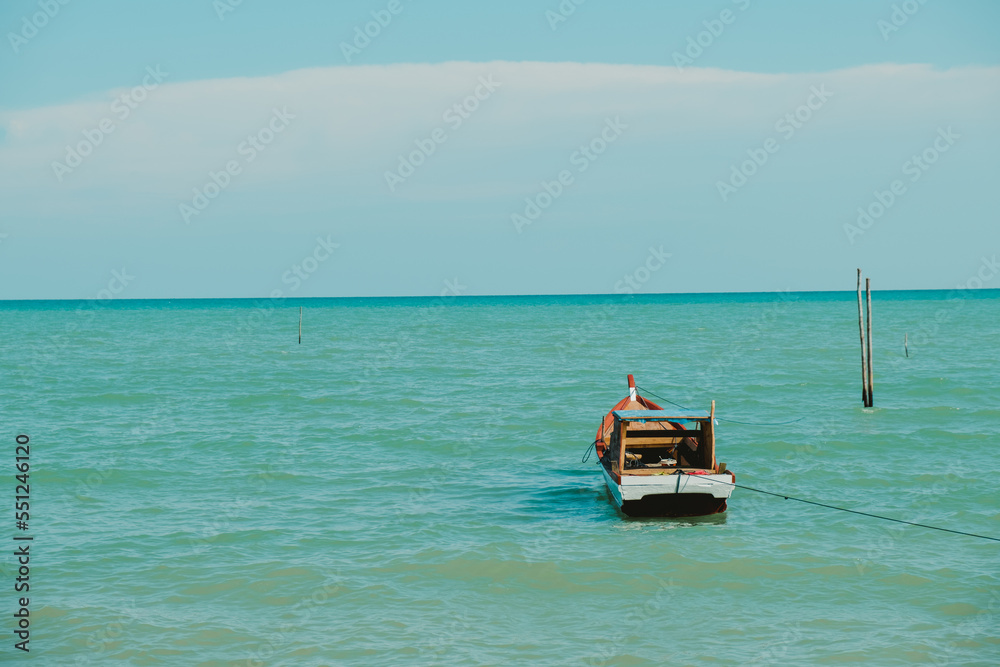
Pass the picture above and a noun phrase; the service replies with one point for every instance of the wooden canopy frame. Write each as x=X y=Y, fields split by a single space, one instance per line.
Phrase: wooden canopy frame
x=638 y=429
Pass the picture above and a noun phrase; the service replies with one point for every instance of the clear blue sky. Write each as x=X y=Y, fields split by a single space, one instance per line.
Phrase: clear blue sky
x=326 y=129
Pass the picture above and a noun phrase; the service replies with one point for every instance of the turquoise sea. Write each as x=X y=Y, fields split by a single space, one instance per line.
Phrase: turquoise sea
x=405 y=486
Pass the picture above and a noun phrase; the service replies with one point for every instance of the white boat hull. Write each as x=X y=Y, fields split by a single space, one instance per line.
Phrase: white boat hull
x=677 y=494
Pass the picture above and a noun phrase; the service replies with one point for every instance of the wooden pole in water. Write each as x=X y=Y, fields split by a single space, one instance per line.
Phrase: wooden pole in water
x=864 y=364
x=871 y=370
x=906 y=344
x=300 y=325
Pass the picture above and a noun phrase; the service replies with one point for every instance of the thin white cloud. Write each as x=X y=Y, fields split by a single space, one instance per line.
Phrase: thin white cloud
x=351 y=123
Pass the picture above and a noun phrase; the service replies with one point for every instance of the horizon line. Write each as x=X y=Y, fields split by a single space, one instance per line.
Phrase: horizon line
x=491 y=296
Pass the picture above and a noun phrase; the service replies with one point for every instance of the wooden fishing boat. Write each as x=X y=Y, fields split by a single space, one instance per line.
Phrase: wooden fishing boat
x=660 y=462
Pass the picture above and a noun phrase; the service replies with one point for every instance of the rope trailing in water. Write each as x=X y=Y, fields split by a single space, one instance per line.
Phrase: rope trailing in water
x=591 y=448
x=721 y=419
x=803 y=500
x=844 y=509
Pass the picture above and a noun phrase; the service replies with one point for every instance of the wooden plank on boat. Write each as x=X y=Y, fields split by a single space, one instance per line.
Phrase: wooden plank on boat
x=654 y=442
x=646 y=436
x=649 y=426
x=662 y=471
x=661 y=415
x=658 y=442
x=621 y=447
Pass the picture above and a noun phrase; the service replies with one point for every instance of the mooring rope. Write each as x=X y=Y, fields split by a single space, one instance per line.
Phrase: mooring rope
x=721 y=419
x=844 y=509
x=802 y=500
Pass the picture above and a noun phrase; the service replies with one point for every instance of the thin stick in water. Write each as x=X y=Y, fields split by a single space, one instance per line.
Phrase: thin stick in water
x=864 y=364
x=300 y=325
x=871 y=369
x=906 y=344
